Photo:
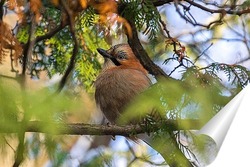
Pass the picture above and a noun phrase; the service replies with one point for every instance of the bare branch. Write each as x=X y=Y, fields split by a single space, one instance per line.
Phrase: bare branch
x=142 y=55
x=189 y=17
x=222 y=11
x=1 y=9
x=52 y=32
x=97 y=129
x=28 y=47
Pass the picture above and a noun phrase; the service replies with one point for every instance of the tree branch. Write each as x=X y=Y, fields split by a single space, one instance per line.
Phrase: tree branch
x=231 y=9
x=76 y=44
x=52 y=32
x=222 y=11
x=97 y=129
x=1 y=9
x=126 y=131
x=49 y=34
x=138 y=49
x=161 y=2
x=142 y=55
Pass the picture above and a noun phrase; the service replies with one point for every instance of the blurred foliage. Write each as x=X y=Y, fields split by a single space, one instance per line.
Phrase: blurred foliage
x=18 y=107
x=203 y=85
x=175 y=100
x=102 y=159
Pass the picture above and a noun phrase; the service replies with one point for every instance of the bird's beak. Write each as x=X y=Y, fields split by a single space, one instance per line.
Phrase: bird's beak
x=104 y=53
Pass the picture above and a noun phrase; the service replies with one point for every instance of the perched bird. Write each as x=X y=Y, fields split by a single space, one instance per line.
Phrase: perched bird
x=121 y=79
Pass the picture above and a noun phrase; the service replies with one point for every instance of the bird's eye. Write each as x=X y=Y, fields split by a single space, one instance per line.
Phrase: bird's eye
x=121 y=56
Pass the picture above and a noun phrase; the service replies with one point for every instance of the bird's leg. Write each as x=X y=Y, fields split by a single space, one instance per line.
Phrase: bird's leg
x=112 y=136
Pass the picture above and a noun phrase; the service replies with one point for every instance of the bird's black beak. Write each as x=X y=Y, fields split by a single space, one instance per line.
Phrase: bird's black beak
x=104 y=53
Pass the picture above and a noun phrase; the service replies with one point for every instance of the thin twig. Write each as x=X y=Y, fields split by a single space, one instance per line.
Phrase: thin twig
x=76 y=45
x=49 y=34
x=6 y=141
x=202 y=53
x=222 y=11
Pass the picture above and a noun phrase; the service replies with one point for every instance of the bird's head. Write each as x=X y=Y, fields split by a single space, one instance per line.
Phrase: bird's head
x=120 y=56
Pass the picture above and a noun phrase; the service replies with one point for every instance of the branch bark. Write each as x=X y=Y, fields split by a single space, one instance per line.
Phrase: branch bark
x=76 y=45
x=231 y=11
x=142 y=55
x=97 y=129
x=162 y=2
x=1 y=9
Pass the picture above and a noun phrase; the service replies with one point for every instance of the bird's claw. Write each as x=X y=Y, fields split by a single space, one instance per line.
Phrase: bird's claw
x=108 y=124
x=113 y=137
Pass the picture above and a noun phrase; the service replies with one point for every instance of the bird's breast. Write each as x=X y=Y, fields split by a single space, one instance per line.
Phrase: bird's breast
x=116 y=88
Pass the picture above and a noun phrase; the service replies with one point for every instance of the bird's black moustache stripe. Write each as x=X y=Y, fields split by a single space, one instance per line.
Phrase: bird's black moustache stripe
x=104 y=53
x=115 y=61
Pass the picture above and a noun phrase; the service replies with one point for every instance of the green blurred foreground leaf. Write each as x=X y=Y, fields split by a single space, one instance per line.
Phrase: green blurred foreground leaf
x=18 y=107
x=190 y=99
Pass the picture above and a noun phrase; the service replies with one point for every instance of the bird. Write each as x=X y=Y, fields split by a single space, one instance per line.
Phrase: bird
x=123 y=78
x=120 y=81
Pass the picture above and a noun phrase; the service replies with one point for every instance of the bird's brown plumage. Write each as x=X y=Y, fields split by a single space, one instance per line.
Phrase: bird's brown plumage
x=122 y=78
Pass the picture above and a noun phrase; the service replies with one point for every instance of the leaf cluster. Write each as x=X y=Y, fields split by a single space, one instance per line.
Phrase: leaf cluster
x=144 y=14
x=53 y=55
x=200 y=97
x=236 y=74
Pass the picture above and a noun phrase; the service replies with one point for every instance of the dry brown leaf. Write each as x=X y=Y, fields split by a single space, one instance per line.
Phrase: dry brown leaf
x=12 y=4
x=9 y=42
x=55 y=2
x=108 y=11
x=20 y=2
x=105 y=6
x=17 y=6
x=84 y=3
x=35 y=6
x=127 y=26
